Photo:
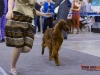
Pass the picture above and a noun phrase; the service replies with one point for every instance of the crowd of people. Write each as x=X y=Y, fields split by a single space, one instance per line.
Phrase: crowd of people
x=76 y=6
x=20 y=20
x=48 y=6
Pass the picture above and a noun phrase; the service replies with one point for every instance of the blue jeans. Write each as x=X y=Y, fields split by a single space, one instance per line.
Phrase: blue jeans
x=37 y=23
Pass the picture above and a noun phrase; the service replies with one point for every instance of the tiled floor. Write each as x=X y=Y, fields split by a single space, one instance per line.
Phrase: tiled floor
x=84 y=42
x=90 y=47
x=83 y=48
x=0 y=73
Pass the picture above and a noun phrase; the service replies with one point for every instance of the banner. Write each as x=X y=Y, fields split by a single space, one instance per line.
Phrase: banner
x=95 y=2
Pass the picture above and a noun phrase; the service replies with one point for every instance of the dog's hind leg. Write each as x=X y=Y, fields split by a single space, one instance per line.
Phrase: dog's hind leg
x=43 y=47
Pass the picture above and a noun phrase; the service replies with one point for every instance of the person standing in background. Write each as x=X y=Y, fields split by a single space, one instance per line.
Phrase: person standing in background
x=88 y=6
x=82 y=9
x=48 y=7
x=62 y=12
x=41 y=18
x=76 y=5
x=3 y=11
x=37 y=18
x=1 y=7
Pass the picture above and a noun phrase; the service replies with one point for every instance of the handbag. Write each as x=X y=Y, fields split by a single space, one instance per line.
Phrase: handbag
x=69 y=15
x=57 y=8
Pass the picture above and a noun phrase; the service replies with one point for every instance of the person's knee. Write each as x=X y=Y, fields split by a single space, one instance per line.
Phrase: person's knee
x=26 y=49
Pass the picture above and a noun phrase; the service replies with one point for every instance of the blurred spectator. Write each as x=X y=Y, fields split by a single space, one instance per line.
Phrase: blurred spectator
x=64 y=6
x=41 y=18
x=82 y=9
x=48 y=7
x=1 y=7
x=76 y=5
x=37 y=18
x=88 y=7
x=41 y=3
x=3 y=11
x=69 y=4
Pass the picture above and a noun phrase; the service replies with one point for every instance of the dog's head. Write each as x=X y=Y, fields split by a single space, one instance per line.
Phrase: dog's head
x=64 y=26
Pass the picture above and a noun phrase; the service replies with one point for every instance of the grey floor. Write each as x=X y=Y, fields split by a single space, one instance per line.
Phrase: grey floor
x=83 y=48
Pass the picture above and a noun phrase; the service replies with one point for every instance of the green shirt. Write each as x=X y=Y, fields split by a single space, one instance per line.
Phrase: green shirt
x=25 y=7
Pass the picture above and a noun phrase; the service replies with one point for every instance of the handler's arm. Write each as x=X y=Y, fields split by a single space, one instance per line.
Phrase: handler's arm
x=43 y=14
x=9 y=14
x=10 y=5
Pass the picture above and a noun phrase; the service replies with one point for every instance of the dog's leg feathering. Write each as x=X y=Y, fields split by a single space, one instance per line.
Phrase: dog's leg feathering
x=50 y=53
x=56 y=60
x=55 y=56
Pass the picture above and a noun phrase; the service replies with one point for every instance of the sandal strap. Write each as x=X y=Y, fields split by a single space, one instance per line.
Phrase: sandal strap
x=14 y=72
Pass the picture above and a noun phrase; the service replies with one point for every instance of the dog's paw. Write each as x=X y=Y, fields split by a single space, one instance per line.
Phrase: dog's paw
x=50 y=59
x=57 y=64
x=42 y=53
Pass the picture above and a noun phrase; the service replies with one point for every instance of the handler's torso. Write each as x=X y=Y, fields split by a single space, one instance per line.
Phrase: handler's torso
x=25 y=7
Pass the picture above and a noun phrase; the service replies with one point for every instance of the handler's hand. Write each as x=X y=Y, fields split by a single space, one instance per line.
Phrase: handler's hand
x=47 y=15
x=9 y=15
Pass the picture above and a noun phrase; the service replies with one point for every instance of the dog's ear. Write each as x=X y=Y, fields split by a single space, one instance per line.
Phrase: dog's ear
x=62 y=22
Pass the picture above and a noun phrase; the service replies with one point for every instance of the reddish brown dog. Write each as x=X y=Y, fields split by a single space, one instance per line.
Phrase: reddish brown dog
x=53 y=40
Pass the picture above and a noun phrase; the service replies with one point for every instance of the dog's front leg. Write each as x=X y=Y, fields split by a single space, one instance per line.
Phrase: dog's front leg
x=55 y=56
x=50 y=53
x=56 y=59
